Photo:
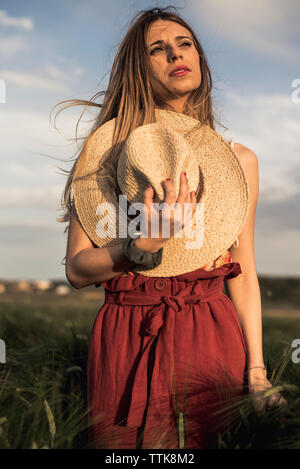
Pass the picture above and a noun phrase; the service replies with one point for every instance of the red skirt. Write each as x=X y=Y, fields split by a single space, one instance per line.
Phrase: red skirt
x=166 y=354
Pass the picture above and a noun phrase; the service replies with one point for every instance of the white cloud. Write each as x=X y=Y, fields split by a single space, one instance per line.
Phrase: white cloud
x=265 y=26
x=53 y=79
x=79 y=71
x=18 y=169
x=55 y=72
x=32 y=224
x=66 y=75
x=38 y=197
x=269 y=126
x=71 y=63
x=31 y=81
x=24 y=22
x=28 y=130
x=12 y=45
x=31 y=182
x=276 y=252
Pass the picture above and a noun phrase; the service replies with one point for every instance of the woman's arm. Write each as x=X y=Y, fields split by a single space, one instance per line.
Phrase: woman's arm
x=86 y=264
x=244 y=292
x=244 y=289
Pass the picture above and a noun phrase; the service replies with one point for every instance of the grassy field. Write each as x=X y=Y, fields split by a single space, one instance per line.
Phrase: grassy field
x=43 y=383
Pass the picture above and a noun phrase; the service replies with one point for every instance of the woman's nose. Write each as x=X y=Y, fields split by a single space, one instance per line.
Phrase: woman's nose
x=174 y=54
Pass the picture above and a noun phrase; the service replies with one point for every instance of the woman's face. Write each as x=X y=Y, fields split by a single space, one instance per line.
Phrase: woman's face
x=167 y=55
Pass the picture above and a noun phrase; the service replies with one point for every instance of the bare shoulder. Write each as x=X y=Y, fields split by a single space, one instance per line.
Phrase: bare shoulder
x=246 y=157
x=249 y=163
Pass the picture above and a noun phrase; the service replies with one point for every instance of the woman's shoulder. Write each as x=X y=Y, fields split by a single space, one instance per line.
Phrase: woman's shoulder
x=249 y=164
x=244 y=153
x=248 y=160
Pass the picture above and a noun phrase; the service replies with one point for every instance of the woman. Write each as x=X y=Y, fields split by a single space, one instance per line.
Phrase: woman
x=156 y=42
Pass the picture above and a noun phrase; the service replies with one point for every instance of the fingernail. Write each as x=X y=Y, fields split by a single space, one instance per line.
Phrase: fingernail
x=168 y=179
x=148 y=185
x=184 y=174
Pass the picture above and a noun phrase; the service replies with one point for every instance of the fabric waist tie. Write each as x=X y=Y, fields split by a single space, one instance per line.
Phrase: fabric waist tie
x=164 y=307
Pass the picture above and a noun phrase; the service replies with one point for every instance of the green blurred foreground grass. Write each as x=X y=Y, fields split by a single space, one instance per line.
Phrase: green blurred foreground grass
x=43 y=383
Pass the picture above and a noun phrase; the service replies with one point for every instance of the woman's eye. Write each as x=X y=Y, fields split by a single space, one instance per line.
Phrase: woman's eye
x=154 y=50
x=157 y=48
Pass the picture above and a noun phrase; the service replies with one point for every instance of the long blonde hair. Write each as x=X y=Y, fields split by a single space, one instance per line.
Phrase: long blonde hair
x=129 y=96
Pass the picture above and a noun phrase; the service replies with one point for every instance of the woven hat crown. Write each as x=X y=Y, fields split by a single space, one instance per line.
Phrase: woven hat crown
x=151 y=154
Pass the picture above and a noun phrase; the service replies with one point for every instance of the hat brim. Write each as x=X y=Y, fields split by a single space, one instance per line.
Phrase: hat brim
x=221 y=214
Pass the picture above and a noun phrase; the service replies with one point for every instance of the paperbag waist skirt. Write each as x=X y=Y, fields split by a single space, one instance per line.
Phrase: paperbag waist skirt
x=164 y=353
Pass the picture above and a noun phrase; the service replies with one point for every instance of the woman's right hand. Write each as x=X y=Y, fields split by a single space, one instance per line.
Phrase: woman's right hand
x=167 y=216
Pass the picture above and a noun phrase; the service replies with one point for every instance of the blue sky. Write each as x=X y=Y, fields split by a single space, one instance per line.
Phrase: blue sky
x=56 y=50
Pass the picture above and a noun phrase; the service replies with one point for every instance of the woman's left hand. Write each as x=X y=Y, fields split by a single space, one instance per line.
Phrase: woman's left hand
x=257 y=383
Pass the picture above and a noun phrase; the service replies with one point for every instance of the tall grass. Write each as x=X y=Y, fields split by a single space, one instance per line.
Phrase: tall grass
x=43 y=384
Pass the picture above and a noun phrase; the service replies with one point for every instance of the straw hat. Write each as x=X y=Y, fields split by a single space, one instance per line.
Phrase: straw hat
x=151 y=153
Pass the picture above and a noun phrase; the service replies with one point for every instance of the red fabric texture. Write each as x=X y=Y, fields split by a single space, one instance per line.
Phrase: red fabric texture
x=164 y=351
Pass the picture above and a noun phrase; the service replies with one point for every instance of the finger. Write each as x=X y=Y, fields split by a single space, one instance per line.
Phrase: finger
x=275 y=401
x=183 y=195
x=260 y=408
x=193 y=200
x=147 y=210
x=170 y=193
x=190 y=206
x=148 y=196
x=271 y=401
x=279 y=400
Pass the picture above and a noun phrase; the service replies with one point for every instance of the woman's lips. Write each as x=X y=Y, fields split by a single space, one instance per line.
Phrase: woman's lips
x=179 y=74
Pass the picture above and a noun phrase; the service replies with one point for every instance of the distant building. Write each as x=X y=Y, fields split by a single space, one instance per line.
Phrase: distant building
x=62 y=290
x=23 y=286
x=42 y=285
x=2 y=288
